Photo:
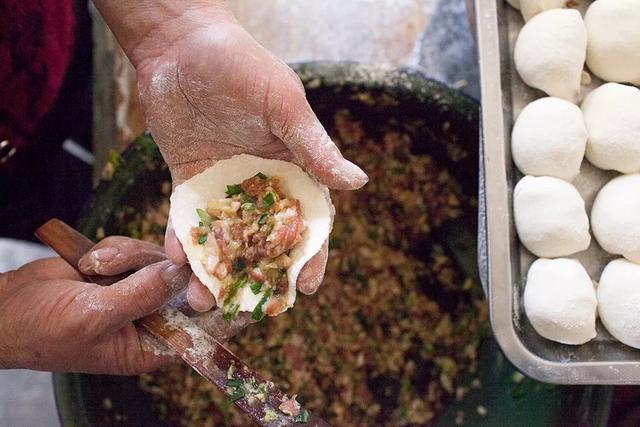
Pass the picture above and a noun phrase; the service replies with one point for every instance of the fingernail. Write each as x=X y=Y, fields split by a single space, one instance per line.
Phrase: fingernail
x=92 y=261
x=176 y=277
x=104 y=255
x=354 y=175
x=198 y=296
x=310 y=279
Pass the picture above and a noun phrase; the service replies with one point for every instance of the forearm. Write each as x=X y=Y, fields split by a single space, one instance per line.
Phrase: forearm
x=145 y=27
x=5 y=351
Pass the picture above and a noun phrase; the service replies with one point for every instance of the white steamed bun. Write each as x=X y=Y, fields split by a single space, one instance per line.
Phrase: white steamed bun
x=560 y=301
x=612 y=116
x=550 y=52
x=619 y=299
x=615 y=217
x=550 y=217
x=549 y=138
x=613 y=51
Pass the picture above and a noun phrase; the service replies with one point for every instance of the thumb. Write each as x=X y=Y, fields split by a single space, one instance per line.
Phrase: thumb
x=143 y=292
x=294 y=123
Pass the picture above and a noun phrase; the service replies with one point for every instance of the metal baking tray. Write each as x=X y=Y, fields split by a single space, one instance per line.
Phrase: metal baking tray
x=503 y=260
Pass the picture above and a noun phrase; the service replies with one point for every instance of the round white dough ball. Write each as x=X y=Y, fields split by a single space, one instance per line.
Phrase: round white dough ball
x=619 y=299
x=613 y=51
x=514 y=3
x=560 y=301
x=615 y=217
x=531 y=8
x=550 y=52
x=549 y=138
x=612 y=116
x=550 y=217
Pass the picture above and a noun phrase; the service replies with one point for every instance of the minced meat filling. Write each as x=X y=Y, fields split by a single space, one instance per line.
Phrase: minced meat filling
x=247 y=237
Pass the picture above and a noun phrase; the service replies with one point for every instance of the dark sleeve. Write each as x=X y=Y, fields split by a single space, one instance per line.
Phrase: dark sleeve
x=36 y=45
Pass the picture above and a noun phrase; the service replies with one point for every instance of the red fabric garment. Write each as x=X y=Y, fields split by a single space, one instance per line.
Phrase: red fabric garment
x=36 y=45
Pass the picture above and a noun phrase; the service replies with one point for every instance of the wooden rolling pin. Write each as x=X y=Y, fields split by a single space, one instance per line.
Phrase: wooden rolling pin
x=258 y=398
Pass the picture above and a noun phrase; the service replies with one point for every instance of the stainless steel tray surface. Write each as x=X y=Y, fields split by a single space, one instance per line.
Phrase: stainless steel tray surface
x=503 y=261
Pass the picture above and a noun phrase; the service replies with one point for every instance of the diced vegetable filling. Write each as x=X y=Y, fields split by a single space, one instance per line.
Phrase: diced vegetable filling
x=247 y=239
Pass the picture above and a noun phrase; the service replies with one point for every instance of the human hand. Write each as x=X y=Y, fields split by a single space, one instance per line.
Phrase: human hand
x=118 y=254
x=50 y=319
x=210 y=91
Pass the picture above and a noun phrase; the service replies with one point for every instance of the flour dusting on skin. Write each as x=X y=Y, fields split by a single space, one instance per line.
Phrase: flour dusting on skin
x=92 y=302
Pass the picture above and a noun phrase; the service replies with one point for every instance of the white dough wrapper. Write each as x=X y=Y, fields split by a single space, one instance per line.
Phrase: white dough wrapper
x=531 y=8
x=560 y=301
x=550 y=52
x=549 y=138
x=615 y=217
x=211 y=184
x=612 y=116
x=613 y=51
x=619 y=299
x=550 y=217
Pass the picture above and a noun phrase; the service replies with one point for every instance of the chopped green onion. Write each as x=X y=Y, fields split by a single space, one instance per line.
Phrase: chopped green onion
x=231 y=311
x=261 y=175
x=257 y=313
x=237 y=394
x=114 y=158
x=255 y=287
x=238 y=390
x=270 y=415
x=263 y=219
x=261 y=394
x=248 y=206
x=232 y=190
x=302 y=417
x=239 y=264
x=232 y=382
x=205 y=218
x=268 y=199
x=230 y=371
x=234 y=288
x=245 y=198
x=202 y=240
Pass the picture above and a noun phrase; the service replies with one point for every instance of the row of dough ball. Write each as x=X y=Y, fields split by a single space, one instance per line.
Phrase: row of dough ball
x=551 y=219
x=561 y=301
x=551 y=135
x=549 y=141
x=552 y=47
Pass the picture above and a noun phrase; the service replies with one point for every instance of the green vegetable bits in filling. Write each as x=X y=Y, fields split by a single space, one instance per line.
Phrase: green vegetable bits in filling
x=247 y=238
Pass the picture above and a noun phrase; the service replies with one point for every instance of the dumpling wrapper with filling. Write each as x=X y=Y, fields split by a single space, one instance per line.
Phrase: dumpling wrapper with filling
x=212 y=183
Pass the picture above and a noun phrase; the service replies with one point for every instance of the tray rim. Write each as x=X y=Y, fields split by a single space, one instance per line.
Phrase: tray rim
x=499 y=233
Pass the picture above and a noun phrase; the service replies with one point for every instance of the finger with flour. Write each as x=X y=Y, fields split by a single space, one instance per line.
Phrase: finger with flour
x=311 y=275
x=173 y=247
x=140 y=294
x=119 y=254
x=303 y=134
x=198 y=296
